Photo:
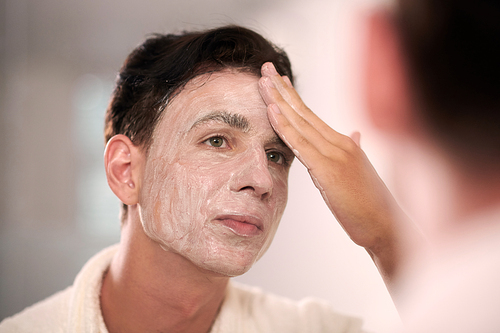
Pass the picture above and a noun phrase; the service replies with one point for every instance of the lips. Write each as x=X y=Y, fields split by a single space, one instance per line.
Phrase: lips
x=242 y=225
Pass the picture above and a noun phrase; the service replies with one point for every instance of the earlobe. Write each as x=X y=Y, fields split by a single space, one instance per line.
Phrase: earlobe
x=386 y=81
x=123 y=164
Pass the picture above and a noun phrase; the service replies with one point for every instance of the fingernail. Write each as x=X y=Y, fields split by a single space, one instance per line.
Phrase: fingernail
x=287 y=81
x=269 y=69
x=275 y=108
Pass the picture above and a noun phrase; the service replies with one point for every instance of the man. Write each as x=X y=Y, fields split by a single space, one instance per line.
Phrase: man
x=203 y=180
x=433 y=83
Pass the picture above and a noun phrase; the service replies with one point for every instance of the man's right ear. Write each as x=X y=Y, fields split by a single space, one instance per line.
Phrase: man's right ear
x=124 y=163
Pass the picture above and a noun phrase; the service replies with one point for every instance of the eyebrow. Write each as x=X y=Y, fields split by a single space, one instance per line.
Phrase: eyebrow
x=234 y=120
x=237 y=121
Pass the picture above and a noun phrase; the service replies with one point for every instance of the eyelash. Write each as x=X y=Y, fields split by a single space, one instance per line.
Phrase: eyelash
x=282 y=161
x=218 y=136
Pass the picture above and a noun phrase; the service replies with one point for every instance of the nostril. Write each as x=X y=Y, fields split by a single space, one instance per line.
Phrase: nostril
x=247 y=188
x=261 y=192
x=265 y=195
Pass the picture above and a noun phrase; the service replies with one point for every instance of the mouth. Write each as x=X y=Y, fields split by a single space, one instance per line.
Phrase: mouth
x=242 y=225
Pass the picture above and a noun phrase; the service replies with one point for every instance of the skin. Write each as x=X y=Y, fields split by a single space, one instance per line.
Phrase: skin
x=204 y=204
x=204 y=177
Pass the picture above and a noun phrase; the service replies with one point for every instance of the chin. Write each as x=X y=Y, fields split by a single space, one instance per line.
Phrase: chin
x=228 y=256
x=224 y=270
x=233 y=265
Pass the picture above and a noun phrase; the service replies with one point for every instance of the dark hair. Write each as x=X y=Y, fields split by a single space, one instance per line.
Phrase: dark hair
x=163 y=64
x=453 y=51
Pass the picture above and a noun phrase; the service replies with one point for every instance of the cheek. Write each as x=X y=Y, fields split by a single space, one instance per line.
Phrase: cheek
x=157 y=200
x=280 y=191
x=184 y=190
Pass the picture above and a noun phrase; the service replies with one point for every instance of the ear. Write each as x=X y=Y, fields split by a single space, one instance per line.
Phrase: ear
x=387 y=89
x=124 y=163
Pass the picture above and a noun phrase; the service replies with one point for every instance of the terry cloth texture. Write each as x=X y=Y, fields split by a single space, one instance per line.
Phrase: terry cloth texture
x=245 y=309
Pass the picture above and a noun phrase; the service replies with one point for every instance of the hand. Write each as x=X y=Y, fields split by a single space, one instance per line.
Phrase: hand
x=349 y=184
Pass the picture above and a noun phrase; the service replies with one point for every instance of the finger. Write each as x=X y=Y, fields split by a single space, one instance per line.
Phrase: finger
x=284 y=86
x=300 y=125
x=287 y=81
x=288 y=95
x=304 y=149
x=317 y=133
x=281 y=83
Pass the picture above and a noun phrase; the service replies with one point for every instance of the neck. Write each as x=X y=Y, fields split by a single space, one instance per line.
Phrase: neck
x=150 y=289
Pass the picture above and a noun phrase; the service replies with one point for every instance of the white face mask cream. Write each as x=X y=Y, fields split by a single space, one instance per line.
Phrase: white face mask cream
x=215 y=181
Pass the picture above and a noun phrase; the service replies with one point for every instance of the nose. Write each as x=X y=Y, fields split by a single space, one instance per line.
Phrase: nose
x=253 y=176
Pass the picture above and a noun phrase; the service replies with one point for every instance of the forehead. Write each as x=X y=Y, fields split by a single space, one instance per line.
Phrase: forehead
x=229 y=92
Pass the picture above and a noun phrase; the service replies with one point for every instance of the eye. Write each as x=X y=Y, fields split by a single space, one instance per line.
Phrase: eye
x=216 y=141
x=275 y=157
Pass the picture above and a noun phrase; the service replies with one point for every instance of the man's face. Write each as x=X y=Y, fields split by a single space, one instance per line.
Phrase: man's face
x=215 y=181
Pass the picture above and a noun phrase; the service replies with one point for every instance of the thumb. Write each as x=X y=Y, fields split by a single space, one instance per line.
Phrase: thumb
x=356 y=137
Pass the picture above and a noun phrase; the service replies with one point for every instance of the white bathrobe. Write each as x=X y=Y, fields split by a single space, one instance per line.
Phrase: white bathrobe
x=245 y=309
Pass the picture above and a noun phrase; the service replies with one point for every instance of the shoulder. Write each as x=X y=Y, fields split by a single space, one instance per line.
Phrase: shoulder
x=271 y=313
x=457 y=290
x=48 y=315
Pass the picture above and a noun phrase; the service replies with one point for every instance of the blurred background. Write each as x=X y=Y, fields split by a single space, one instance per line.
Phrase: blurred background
x=58 y=63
